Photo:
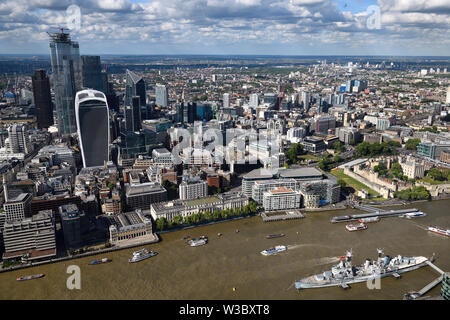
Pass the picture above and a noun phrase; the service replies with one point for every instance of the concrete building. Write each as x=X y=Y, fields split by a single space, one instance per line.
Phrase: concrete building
x=33 y=238
x=161 y=95
x=317 y=193
x=324 y=123
x=259 y=188
x=130 y=227
x=169 y=210
x=74 y=224
x=281 y=198
x=347 y=134
x=432 y=150
x=314 y=144
x=301 y=174
x=250 y=178
x=162 y=156
x=19 y=141
x=192 y=187
x=226 y=100
x=18 y=208
x=141 y=196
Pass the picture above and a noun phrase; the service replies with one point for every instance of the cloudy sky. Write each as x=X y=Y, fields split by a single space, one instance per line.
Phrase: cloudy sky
x=284 y=27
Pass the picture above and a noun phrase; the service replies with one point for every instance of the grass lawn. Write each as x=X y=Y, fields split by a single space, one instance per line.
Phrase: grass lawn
x=355 y=184
x=431 y=181
x=308 y=157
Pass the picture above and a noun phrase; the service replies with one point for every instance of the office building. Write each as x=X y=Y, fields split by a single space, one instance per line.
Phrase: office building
x=318 y=193
x=135 y=86
x=73 y=223
x=42 y=99
x=66 y=79
x=226 y=100
x=162 y=156
x=192 y=187
x=130 y=227
x=17 y=208
x=19 y=141
x=161 y=95
x=281 y=198
x=432 y=150
x=254 y=100
x=92 y=117
x=314 y=144
x=31 y=238
x=347 y=134
x=141 y=196
x=187 y=112
x=261 y=187
x=250 y=178
x=324 y=123
x=204 y=112
x=91 y=73
x=184 y=208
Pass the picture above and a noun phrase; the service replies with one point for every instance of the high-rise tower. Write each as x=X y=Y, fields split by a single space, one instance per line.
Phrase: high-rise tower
x=92 y=117
x=42 y=99
x=65 y=59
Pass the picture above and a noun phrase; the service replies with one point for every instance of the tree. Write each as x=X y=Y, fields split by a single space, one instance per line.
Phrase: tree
x=412 y=144
x=161 y=223
x=342 y=183
x=178 y=219
x=436 y=174
x=352 y=142
x=172 y=189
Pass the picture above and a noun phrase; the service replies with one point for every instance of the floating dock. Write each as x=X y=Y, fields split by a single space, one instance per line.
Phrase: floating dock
x=377 y=213
x=428 y=287
x=285 y=215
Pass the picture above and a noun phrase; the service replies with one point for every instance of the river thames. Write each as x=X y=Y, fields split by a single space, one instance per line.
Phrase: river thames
x=234 y=261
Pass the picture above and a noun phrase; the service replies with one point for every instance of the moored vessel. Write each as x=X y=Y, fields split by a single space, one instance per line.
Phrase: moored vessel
x=142 y=255
x=345 y=272
x=276 y=249
x=34 y=276
x=439 y=230
x=271 y=236
x=104 y=260
x=200 y=241
x=356 y=227
x=369 y=220
x=410 y=215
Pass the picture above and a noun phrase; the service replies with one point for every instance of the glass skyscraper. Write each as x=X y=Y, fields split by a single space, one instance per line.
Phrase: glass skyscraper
x=91 y=72
x=92 y=116
x=66 y=76
x=161 y=95
x=135 y=86
x=42 y=99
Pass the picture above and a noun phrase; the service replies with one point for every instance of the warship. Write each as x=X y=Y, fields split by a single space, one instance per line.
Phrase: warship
x=345 y=273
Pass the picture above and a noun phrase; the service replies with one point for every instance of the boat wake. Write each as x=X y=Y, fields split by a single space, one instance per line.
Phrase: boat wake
x=296 y=246
x=324 y=260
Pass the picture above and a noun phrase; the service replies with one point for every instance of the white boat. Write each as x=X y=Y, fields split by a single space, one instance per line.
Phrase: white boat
x=356 y=227
x=439 y=230
x=416 y=214
x=369 y=219
x=276 y=249
x=200 y=241
x=142 y=255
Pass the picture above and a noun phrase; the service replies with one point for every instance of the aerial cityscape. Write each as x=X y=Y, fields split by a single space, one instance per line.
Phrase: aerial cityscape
x=139 y=160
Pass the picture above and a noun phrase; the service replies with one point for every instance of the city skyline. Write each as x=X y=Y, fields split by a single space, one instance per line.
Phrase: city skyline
x=295 y=27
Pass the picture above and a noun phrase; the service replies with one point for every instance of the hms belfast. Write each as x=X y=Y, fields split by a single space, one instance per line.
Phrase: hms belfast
x=345 y=273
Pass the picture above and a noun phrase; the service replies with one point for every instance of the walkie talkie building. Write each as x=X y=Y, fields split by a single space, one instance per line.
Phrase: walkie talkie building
x=92 y=115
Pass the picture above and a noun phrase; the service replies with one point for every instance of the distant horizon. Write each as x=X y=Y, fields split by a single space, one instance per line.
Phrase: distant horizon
x=228 y=55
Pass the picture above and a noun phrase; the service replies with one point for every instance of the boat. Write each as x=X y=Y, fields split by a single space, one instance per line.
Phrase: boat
x=439 y=230
x=416 y=214
x=104 y=260
x=356 y=227
x=142 y=255
x=219 y=234
x=345 y=273
x=369 y=219
x=276 y=249
x=271 y=236
x=34 y=276
x=200 y=241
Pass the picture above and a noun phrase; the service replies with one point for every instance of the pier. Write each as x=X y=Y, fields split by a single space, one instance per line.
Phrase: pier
x=278 y=216
x=428 y=287
x=373 y=212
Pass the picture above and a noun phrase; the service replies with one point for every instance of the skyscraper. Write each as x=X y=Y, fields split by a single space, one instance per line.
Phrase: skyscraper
x=447 y=98
x=135 y=86
x=226 y=100
x=92 y=115
x=19 y=141
x=65 y=59
x=136 y=106
x=254 y=100
x=161 y=95
x=91 y=71
x=42 y=99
